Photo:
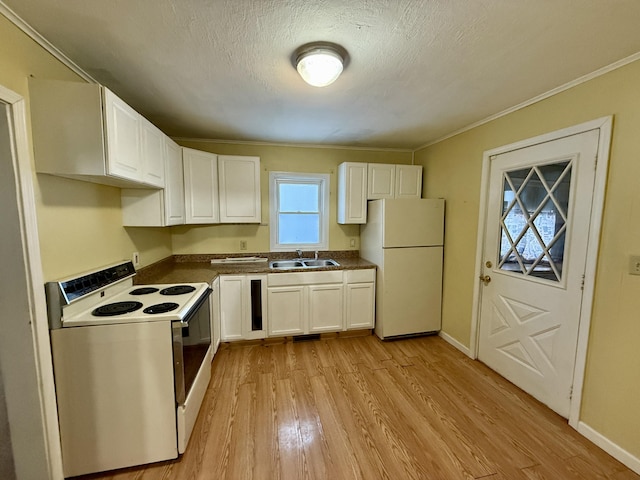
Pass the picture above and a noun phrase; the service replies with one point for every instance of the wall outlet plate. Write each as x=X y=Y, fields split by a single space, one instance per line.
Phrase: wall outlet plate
x=243 y=244
x=634 y=265
x=135 y=259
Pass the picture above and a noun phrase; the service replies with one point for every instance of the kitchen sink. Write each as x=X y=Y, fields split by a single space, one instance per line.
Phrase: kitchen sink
x=287 y=264
x=284 y=264
x=320 y=263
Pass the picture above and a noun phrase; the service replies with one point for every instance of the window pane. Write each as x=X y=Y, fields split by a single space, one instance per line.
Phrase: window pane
x=301 y=197
x=532 y=241
x=298 y=228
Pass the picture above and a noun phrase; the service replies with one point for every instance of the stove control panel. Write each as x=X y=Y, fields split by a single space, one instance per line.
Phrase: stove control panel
x=78 y=287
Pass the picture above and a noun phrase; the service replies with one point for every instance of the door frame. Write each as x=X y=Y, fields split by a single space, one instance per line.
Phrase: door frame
x=21 y=168
x=604 y=125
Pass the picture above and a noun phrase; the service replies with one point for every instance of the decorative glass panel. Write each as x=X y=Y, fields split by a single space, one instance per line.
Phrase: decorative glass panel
x=534 y=220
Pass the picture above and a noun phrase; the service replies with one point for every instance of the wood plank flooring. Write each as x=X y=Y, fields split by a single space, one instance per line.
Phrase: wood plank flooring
x=359 y=408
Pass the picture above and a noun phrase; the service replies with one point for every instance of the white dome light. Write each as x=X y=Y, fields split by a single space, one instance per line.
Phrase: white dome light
x=320 y=66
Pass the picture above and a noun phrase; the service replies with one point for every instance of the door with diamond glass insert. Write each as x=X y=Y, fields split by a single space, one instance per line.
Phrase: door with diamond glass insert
x=535 y=252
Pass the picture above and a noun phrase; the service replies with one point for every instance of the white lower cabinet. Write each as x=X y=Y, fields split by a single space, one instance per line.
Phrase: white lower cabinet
x=215 y=315
x=360 y=293
x=306 y=302
x=243 y=314
x=325 y=308
x=294 y=303
x=286 y=306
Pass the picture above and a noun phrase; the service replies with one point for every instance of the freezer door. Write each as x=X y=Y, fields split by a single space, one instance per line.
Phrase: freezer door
x=409 y=292
x=413 y=222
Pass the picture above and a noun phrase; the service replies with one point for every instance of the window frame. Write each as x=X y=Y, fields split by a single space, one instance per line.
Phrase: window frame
x=323 y=182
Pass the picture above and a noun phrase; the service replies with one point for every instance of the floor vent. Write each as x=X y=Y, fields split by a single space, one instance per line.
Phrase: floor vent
x=306 y=338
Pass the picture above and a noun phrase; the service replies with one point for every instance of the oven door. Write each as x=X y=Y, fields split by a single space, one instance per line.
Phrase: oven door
x=191 y=342
x=192 y=366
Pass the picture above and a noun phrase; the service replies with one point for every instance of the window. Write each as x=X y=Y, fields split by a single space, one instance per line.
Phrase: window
x=299 y=206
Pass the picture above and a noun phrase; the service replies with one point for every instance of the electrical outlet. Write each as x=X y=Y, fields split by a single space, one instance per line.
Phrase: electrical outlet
x=634 y=264
x=135 y=258
x=243 y=244
x=352 y=242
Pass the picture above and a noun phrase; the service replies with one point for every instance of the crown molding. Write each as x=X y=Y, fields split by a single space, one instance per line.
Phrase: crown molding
x=14 y=18
x=294 y=145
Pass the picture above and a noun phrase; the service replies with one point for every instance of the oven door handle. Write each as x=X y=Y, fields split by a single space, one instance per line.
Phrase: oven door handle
x=193 y=310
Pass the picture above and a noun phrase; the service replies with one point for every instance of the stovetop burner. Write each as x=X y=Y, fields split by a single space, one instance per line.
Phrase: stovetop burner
x=177 y=290
x=143 y=291
x=161 y=308
x=117 y=308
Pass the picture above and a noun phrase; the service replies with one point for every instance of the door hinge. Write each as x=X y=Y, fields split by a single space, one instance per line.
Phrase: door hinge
x=571 y=392
x=582 y=284
x=595 y=163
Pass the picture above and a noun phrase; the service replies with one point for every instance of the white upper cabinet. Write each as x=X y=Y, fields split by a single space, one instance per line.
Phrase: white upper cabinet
x=408 y=181
x=201 y=186
x=381 y=181
x=84 y=131
x=152 y=143
x=158 y=208
x=394 y=181
x=174 y=209
x=122 y=132
x=239 y=182
x=352 y=192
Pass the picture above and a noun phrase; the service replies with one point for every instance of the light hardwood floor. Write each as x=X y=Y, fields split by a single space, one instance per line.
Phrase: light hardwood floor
x=359 y=408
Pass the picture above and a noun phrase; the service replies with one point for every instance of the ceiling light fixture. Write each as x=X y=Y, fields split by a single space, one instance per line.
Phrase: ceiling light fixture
x=320 y=63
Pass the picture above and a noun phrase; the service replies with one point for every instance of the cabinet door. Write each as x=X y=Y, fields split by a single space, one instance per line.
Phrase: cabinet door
x=381 y=180
x=215 y=315
x=232 y=307
x=286 y=310
x=352 y=193
x=408 y=181
x=152 y=142
x=325 y=308
x=201 y=186
x=174 y=188
x=122 y=138
x=239 y=182
x=359 y=306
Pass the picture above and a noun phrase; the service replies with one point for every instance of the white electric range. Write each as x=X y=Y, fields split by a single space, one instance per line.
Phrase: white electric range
x=131 y=364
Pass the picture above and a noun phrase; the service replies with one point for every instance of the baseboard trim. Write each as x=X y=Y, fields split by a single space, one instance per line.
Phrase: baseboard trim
x=452 y=341
x=611 y=448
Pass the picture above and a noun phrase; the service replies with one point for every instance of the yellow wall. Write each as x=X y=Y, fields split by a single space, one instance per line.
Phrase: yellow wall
x=79 y=223
x=226 y=238
x=452 y=171
x=80 y=228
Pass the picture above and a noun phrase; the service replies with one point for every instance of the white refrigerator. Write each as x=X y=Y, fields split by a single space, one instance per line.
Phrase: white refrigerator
x=404 y=238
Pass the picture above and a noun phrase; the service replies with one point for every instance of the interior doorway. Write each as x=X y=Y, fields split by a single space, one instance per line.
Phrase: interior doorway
x=28 y=419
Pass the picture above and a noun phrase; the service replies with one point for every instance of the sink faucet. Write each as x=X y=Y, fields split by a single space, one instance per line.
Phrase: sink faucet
x=299 y=252
x=316 y=255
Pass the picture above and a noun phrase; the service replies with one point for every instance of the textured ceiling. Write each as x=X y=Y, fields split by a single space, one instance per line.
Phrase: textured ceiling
x=418 y=70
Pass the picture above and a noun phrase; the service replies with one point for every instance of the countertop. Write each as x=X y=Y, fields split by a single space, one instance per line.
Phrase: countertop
x=198 y=268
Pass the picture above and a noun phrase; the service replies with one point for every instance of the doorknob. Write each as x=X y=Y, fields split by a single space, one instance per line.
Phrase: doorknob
x=485 y=279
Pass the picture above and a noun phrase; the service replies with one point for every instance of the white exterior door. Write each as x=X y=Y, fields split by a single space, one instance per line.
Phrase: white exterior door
x=535 y=246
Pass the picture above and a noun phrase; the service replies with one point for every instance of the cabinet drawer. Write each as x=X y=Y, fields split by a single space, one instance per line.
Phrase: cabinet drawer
x=360 y=276
x=304 y=278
